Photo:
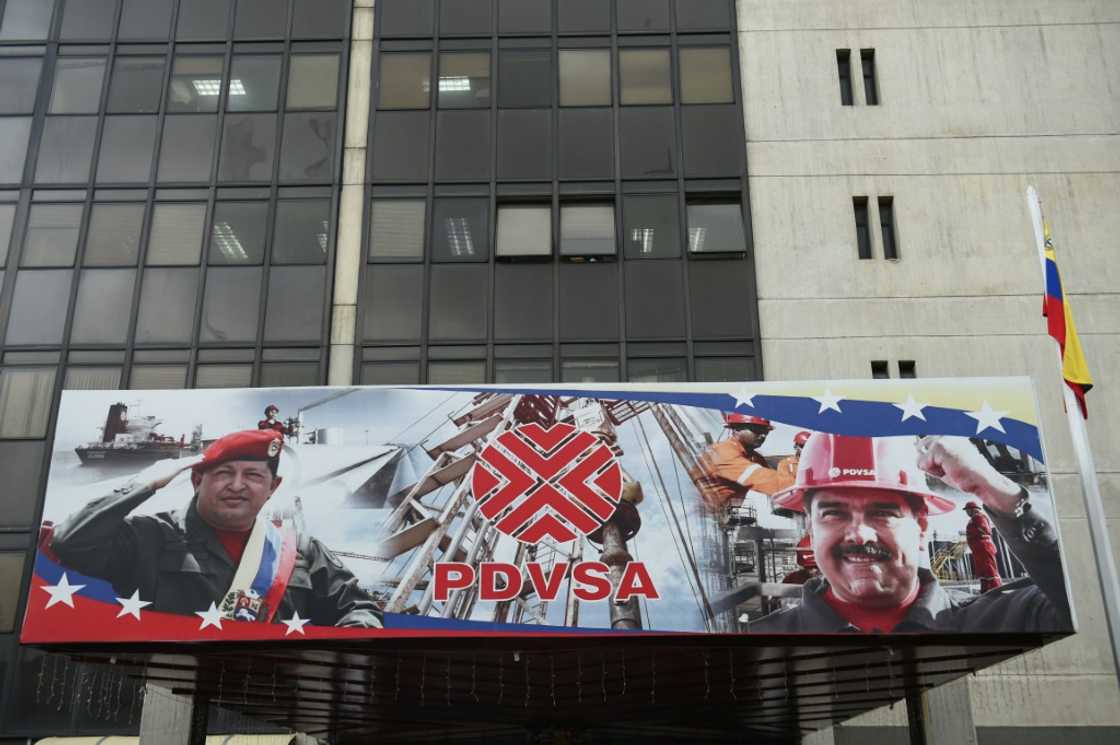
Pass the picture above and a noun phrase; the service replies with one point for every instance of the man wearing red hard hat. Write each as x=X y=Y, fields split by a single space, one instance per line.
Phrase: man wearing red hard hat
x=218 y=554
x=982 y=548
x=732 y=467
x=867 y=504
x=788 y=466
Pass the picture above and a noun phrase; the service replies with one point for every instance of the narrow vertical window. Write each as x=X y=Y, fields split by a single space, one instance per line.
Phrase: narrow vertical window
x=870 y=84
x=886 y=222
x=879 y=369
x=863 y=233
x=907 y=369
x=844 y=68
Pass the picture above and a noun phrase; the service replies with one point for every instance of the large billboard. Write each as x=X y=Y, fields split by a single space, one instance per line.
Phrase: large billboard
x=885 y=506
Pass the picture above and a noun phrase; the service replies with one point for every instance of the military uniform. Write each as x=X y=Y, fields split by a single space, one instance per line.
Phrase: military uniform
x=175 y=560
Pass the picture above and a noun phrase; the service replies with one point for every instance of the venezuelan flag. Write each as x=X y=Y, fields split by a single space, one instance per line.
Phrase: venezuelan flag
x=1059 y=322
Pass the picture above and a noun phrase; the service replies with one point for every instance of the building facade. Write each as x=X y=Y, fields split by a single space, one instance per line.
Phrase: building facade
x=231 y=193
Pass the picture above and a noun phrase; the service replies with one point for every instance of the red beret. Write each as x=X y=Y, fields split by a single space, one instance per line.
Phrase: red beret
x=251 y=444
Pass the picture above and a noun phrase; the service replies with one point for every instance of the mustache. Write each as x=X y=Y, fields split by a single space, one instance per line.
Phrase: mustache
x=871 y=550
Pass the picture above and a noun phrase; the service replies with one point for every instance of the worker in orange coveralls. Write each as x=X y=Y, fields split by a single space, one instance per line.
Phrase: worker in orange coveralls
x=731 y=468
x=979 y=536
x=788 y=466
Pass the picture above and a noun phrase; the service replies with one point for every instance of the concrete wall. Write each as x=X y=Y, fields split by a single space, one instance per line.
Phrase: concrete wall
x=978 y=99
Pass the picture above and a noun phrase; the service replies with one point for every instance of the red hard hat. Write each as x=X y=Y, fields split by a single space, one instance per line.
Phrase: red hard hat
x=801 y=438
x=971 y=506
x=862 y=463
x=732 y=418
x=805 y=556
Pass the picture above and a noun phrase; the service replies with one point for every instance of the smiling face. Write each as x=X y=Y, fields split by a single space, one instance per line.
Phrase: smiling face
x=867 y=543
x=232 y=493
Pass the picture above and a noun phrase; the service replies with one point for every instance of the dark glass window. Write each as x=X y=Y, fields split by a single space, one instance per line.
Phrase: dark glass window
x=248 y=144
x=397 y=229
x=464 y=17
x=588 y=301
x=586 y=144
x=51 y=238
x=14 y=132
x=260 y=19
x=645 y=76
x=223 y=376
x=11 y=580
x=723 y=369
x=712 y=142
x=308 y=150
x=907 y=369
x=238 y=233
x=844 y=70
x=703 y=15
x=19 y=79
x=706 y=75
x=176 y=237
x=229 y=310
x=167 y=305
x=390 y=373
x=88 y=19
x=405 y=81
x=654 y=370
x=406 y=17
x=457 y=303
x=392 y=302
x=313 y=81
x=587 y=230
x=302 y=231
x=715 y=227
x=25 y=401
x=463 y=145
x=145 y=19
x=886 y=223
x=879 y=369
x=37 y=315
x=464 y=80
x=127 y=144
x=461 y=229
x=187 y=148
x=66 y=149
x=114 y=234
x=400 y=146
x=585 y=77
x=285 y=374
x=203 y=19
x=522 y=371
x=77 y=85
x=720 y=298
x=319 y=19
x=654 y=300
x=158 y=377
x=643 y=15
x=648 y=137
x=295 y=304
x=254 y=82
x=25 y=19
x=136 y=86
x=651 y=226
x=523 y=302
x=456 y=372
x=7 y=220
x=863 y=229
x=589 y=371
x=525 y=144
x=525 y=230
x=524 y=16
x=20 y=466
x=584 y=15
x=103 y=305
x=195 y=85
x=870 y=83
x=525 y=78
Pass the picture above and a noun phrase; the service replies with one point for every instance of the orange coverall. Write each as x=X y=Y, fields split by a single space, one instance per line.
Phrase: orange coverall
x=728 y=471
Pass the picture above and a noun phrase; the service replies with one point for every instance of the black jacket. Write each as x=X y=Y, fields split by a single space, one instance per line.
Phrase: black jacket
x=1035 y=604
x=175 y=561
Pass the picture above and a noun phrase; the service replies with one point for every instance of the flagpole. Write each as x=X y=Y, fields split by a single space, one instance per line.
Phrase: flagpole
x=1094 y=507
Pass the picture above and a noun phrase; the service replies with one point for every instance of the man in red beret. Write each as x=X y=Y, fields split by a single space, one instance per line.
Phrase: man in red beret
x=219 y=551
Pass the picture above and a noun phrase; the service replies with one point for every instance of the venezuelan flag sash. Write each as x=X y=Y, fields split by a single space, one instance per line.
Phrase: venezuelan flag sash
x=262 y=574
x=1059 y=323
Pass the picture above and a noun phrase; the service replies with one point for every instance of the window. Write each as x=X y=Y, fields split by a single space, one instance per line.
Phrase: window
x=223 y=376
x=285 y=374
x=167 y=303
x=393 y=295
x=456 y=372
x=319 y=18
x=587 y=230
x=127 y=144
x=525 y=78
x=307 y=153
x=20 y=466
x=525 y=144
x=586 y=144
x=158 y=377
x=651 y=227
x=25 y=19
x=195 y=84
x=66 y=149
x=522 y=371
x=313 y=81
x=203 y=19
x=645 y=76
x=722 y=369
x=588 y=297
x=137 y=85
x=457 y=304
x=295 y=304
x=523 y=302
x=668 y=370
x=102 y=308
x=400 y=146
x=582 y=16
x=589 y=371
x=524 y=230
x=719 y=299
x=397 y=229
x=231 y=304
x=391 y=373
x=405 y=81
x=260 y=19
x=870 y=84
x=524 y=16
x=254 y=82
x=648 y=139
x=302 y=233
x=7 y=220
x=14 y=132
x=51 y=238
x=77 y=85
x=11 y=581
x=248 y=147
x=715 y=227
x=25 y=401
x=114 y=234
x=844 y=70
x=863 y=231
x=39 y=306
x=176 y=234
x=461 y=229
x=19 y=79
x=879 y=369
x=88 y=19
x=406 y=17
x=145 y=19
x=585 y=77
x=82 y=378
x=711 y=142
x=706 y=75
x=238 y=232
x=643 y=15
x=702 y=15
x=886 y=222
x=654 y=300
x=907 y=369
x=464 y=17
x=464 y=80
x=187 y=148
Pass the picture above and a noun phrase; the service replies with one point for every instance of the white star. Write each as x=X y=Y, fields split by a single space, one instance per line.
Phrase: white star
x=295 y=623
x=743 y=397
x=63 y=592
x=211 y=617
x=987 y=417
x=131 y=606
x=911 y=408
x=828 y=401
